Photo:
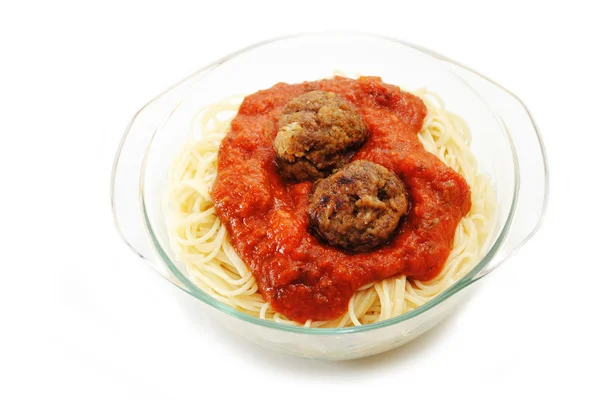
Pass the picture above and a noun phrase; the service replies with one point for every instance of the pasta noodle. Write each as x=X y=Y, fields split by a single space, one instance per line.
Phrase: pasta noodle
x=201 y=244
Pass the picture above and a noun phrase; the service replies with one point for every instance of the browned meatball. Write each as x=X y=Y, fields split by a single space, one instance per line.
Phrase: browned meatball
x=318 y=132
x=358 y=207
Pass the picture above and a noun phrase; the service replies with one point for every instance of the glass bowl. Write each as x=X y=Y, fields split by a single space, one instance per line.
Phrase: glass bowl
x=505 y=141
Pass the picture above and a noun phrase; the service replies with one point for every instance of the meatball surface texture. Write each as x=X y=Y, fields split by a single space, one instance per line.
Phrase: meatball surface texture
x=318 y=132
x=357 y=208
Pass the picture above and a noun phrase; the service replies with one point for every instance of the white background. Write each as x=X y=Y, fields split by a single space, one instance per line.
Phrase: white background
x=83 y=319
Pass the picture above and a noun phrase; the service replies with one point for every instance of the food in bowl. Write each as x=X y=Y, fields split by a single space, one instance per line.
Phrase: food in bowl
x=505 y=139
x=331 y=203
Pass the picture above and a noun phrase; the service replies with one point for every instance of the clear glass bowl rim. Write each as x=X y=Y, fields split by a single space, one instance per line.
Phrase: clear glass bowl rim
x=470 y=278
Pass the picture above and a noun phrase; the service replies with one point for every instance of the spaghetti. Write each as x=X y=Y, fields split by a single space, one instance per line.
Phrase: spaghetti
x=201 y=243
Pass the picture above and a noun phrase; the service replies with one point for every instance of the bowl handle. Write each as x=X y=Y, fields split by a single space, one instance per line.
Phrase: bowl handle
x=532 y=185
x=126 y=198
x=126 y=195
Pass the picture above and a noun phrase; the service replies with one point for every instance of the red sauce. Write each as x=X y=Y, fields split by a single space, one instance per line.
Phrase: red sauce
x=266 y=217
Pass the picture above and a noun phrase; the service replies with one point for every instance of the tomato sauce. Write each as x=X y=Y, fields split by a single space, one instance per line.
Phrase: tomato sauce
x=266 y=217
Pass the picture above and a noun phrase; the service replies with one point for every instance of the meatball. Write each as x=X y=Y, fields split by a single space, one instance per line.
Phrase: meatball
x=357 y=208
x=318 y=133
